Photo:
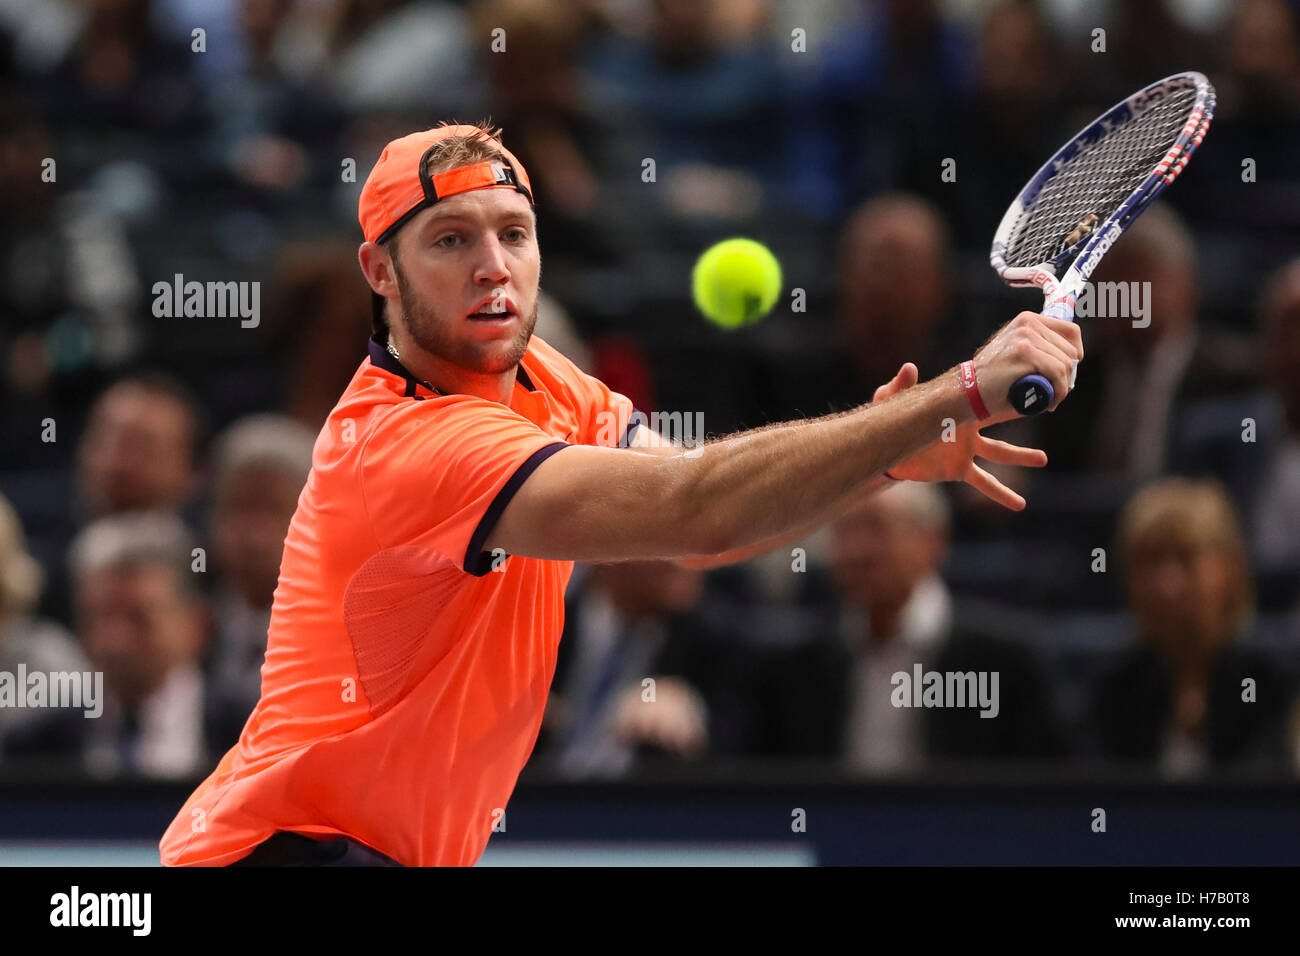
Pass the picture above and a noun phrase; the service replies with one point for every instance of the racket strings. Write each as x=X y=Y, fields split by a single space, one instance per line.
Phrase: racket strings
x=1090 y=186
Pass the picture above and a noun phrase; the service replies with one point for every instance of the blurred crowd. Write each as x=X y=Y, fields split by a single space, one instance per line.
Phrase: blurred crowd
x=1143 y=612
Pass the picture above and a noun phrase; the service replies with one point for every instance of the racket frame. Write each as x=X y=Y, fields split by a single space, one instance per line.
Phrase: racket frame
x=1060 y=294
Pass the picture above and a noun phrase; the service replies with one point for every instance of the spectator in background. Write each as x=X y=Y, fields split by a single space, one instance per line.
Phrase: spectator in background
x=586 y=161
x=320 y=312
x=387 y=55
x=864 y=120
x=40 y=645
x=1136 y=380
x=142 y=622
x=1254 y=217
x=1264 y=51
x=895 y=289
x=1178 y=700
x=702 y=80
x=1007 y=126
x=1276 y=519
x=894 y=292
x=71 y=283
x=259 y=467
x=537 y=95
x=124 y=91
x=139 y=450
x=226 y=50
x=894 y=305
x=624 y=623
x=1133 y=61
x=831 y=697
x=140 y=447
x=1252 y=443
x=268 y=129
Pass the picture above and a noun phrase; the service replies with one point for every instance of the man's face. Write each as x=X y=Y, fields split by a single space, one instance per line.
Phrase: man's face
x=137 y=452
x=879 y=553
x=136 y=625
x=893 y=289
x=468 y=248
x=251 y=513
x=1180 y=594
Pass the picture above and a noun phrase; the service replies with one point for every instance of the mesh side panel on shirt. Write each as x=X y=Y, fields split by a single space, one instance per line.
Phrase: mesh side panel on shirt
x=1093 y=183
x=391 y=610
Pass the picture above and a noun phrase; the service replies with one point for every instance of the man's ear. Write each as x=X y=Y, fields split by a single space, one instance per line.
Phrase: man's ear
x=377 y=266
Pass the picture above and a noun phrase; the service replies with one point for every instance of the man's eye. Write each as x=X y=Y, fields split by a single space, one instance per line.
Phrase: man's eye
x=520 y=233
x=444 y=239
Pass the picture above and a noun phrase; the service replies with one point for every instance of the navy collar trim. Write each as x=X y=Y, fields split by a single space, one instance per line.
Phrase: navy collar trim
x=380 y=357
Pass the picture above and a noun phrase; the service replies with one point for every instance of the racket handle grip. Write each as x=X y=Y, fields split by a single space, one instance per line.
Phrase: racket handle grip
x=1033 y=394
x=1062 y=308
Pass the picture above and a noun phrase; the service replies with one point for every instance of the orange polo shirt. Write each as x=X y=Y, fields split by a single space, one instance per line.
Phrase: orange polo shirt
x=406 y=669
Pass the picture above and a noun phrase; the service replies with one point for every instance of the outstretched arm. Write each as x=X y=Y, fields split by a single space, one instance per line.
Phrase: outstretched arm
x=939 y=461
x=603 y=504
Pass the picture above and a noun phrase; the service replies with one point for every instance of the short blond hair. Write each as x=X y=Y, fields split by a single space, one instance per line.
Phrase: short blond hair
x=20 y=574
x=1200 y=514
x=456 y=151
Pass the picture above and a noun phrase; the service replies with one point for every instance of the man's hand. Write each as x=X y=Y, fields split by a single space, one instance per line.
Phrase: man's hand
x=955 y=460
x=1029 y=343
x=675 y=721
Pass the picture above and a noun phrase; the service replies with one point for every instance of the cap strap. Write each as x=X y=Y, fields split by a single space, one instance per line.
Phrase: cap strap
x=482 y=175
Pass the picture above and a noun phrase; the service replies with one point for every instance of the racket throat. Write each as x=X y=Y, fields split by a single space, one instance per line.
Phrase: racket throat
x=1042 y=277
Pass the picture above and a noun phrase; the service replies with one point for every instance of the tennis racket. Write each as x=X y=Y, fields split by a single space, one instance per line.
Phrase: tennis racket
x=1073 y=209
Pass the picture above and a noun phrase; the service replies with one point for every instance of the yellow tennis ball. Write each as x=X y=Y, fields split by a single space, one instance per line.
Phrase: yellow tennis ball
x=736 y=282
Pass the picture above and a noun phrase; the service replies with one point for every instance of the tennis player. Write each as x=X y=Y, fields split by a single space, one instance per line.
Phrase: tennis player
x=466 y=466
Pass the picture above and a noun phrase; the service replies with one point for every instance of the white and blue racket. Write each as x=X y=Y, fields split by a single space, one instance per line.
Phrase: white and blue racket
x=1073 y=209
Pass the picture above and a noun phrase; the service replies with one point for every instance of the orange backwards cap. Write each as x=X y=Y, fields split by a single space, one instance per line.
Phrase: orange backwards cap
x=399 y=185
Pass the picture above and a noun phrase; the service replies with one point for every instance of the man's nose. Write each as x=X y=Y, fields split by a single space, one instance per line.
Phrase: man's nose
x=492 y=265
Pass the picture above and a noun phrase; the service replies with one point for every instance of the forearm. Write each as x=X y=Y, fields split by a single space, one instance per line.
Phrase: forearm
x=704 y=562
x=739 y=491
x=589 y=503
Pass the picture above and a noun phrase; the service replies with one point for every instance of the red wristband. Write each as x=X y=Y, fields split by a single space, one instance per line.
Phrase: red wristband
x=971 y=387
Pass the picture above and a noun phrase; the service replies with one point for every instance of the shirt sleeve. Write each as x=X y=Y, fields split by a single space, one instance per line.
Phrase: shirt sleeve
x=438 y=474
x=604 y=417
x=609 y=417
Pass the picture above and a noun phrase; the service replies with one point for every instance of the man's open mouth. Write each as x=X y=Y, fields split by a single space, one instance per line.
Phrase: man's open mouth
x=497 y=307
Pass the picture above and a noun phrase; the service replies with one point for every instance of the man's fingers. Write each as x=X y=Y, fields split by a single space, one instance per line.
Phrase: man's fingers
x=1057 y=370
x=1055 y=345
x=1005 y=453
x=906 y=377
x=1070 y=331
x=991 y=488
